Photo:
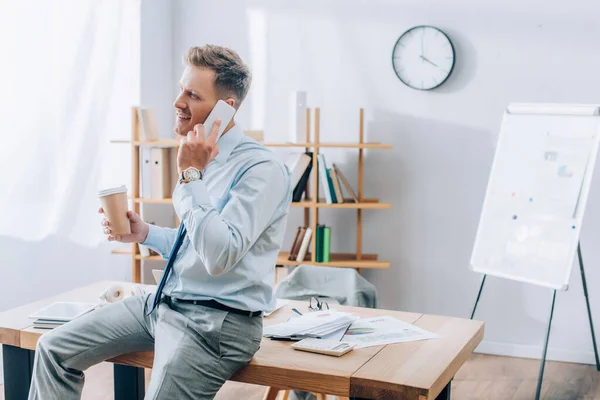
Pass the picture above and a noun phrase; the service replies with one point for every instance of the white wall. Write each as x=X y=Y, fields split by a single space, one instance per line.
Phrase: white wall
x=156 y=59
x=435 y=177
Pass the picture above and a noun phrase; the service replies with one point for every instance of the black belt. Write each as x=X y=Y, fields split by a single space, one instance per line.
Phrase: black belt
x=212 y=304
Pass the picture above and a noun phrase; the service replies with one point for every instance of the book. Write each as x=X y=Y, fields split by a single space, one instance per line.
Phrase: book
x=145 y=173
x=326 y=243
x=290 y=257
x=336 y=185
x=319 y=244
x=301 y=185
x=346 y=184
x=297 y=164
x=330 y=186
x=42 y=324
x=304 y=245
x=322 y=167
x=160 y=187
x=297 y=242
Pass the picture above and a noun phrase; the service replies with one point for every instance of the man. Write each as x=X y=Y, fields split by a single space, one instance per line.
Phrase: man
x=232 y=199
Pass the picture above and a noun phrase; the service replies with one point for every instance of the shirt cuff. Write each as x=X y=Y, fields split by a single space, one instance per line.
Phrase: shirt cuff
x=154 y=239
x=188 y=196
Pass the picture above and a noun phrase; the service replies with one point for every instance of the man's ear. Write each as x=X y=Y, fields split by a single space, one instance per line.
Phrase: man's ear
x=230 y=101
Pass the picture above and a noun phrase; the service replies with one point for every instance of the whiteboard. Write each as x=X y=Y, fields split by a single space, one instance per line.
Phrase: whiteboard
x=537 y=192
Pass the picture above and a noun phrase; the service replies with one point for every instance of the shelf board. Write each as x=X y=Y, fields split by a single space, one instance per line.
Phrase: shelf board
x=348 y=203
x=137 y=256
x=153 y=143
x=121 y=251
x=333 y=145
x=156 y=258
x=175 y=143
x=347 y=260
x=153 y=201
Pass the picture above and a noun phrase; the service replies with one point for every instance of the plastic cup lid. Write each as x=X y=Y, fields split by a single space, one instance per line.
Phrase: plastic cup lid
x=115 y=190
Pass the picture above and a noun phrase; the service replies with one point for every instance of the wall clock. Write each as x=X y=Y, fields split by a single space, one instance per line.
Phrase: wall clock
x=423 y=57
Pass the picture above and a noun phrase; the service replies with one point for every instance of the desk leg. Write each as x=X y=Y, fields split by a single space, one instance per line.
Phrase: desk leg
x=129 y=382
x=445 y=393
x=271 y=393
x=18 y=368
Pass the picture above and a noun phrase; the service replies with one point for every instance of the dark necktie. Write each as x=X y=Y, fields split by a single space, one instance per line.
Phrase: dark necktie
x=169 y=267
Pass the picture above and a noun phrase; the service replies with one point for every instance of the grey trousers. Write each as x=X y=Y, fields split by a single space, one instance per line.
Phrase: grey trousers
x=196 y=348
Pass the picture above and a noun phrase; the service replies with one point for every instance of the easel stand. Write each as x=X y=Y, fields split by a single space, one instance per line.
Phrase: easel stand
x=587 y=302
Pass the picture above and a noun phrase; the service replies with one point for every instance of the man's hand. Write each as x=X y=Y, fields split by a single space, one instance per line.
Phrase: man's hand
x=196 y=151
x=139 y=229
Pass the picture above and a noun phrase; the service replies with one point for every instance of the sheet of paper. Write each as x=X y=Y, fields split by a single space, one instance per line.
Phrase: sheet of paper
x=280 y=303
x=377 y=331
x=337 y=335
x=559 y=175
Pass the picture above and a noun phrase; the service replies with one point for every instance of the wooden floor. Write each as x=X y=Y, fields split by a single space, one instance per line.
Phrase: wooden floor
x=483 y=377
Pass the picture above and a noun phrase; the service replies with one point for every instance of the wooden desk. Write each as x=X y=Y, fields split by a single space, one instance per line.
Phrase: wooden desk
x=416 y=370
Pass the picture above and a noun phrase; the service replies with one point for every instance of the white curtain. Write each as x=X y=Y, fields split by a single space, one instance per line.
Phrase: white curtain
x=69 y=74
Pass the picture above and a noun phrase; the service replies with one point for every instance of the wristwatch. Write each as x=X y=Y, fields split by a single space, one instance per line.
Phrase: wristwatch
x=190 y=174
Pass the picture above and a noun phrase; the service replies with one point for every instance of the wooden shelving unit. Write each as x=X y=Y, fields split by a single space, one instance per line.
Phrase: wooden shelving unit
x=311 y=205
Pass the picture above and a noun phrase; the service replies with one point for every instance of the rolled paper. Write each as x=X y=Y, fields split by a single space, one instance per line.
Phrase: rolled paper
x=113 y=293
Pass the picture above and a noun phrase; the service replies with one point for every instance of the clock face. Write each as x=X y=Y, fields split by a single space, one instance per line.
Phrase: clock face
x=423 y=57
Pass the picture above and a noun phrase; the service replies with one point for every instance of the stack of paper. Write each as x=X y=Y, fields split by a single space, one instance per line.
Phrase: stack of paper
x=59 y=313
x=327 y=324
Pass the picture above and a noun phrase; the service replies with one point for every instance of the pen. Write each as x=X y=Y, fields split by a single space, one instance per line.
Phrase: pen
x=296 y=311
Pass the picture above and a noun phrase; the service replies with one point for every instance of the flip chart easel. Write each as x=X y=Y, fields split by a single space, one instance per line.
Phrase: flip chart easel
x=535 y=200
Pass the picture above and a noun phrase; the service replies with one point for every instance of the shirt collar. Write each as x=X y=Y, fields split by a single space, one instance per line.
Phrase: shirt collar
x=228 y=142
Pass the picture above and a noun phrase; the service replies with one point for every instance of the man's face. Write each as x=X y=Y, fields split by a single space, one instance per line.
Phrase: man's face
x=196 y=98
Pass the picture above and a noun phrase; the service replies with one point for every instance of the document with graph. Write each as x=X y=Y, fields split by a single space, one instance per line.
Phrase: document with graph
x=377 y=331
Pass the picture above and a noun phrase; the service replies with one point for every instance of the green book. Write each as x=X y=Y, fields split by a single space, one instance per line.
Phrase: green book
x=319 y=243
x=326 y=243
x=331 y=189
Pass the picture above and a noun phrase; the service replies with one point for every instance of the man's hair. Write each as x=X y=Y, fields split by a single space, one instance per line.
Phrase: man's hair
x=232 y=76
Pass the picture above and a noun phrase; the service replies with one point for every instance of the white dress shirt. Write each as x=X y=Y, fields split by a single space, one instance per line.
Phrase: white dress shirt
x=235 y=219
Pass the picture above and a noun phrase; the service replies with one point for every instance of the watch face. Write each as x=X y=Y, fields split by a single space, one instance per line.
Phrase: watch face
x=191 y=174
x=423 y=57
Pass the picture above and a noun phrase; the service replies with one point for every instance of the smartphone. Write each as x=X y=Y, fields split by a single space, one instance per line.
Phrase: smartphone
x=222 y=111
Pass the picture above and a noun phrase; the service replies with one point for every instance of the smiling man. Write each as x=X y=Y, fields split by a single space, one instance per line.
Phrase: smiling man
x=205 y=321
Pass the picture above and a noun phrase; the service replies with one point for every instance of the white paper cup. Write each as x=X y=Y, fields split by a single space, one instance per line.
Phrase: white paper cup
x=114 y=203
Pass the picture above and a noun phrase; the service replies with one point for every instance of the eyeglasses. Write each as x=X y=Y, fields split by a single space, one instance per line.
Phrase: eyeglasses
x=318 y=304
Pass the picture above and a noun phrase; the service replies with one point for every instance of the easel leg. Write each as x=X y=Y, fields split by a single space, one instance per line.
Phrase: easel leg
x=478 y=296
x=587 y=302
x=541 y=377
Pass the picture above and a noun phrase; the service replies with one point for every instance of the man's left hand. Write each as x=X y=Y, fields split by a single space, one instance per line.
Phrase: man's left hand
x=197 y=151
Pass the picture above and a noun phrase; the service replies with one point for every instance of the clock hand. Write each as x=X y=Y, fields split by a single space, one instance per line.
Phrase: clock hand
x=422 y=35
x=432 y=63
